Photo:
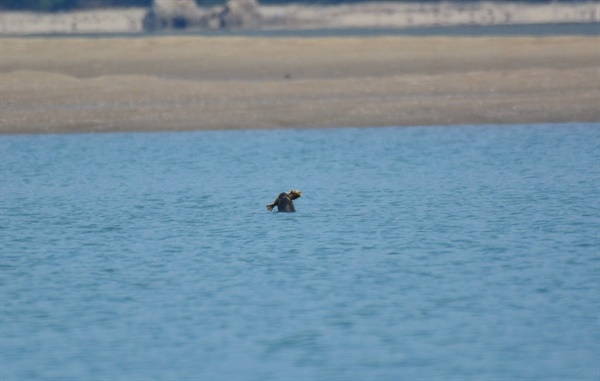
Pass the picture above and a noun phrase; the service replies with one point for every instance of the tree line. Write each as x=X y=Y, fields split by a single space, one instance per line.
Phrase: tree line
x=65 y=5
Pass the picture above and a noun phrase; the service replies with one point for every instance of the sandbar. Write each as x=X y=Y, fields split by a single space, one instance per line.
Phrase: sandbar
x=172 y=83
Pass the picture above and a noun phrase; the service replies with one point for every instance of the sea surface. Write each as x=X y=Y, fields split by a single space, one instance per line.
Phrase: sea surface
x=421 y=253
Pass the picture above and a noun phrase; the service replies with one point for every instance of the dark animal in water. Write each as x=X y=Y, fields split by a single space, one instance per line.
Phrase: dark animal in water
x=284 y=202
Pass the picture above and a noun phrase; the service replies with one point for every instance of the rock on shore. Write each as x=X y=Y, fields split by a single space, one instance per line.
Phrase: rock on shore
x=183 y=14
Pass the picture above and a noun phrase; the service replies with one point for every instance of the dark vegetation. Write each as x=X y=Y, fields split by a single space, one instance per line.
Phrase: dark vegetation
x=65 y=5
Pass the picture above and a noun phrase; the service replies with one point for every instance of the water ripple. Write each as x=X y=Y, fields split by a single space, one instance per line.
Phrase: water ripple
x=416 y=253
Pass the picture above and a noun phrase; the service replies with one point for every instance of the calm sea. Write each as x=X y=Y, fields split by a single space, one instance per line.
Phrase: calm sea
x=440 y=253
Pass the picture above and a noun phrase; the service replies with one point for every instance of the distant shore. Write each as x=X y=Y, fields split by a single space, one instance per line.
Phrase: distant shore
x=302 y=17
x=173 y=83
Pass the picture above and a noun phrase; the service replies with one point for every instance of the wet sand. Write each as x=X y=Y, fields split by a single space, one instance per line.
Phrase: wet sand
x=60 y=85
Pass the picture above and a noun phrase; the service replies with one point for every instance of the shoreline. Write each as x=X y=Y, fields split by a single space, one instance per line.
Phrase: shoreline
x=590 y=29
x=168 y=131
x=176 y=83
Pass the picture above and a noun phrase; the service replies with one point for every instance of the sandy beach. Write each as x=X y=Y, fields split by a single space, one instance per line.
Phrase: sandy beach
x=59 y=85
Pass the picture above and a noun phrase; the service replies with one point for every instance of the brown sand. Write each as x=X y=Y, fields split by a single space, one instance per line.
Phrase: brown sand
x=197 y=83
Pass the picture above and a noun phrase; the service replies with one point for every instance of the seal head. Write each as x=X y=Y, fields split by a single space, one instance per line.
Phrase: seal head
x=284 y=202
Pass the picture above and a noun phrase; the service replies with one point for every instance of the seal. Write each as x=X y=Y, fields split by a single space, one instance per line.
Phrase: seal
x=285 y=201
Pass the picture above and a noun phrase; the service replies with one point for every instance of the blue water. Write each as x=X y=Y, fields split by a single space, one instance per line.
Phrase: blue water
x=440 y=253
